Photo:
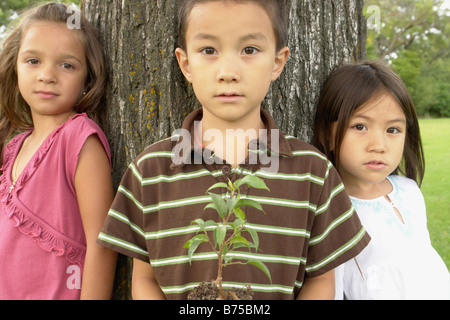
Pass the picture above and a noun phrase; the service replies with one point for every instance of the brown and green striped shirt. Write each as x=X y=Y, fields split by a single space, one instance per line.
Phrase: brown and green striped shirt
x=309 y=226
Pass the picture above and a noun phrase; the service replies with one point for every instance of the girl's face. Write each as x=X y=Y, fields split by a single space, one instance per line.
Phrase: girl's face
x=51 y=69
x=372 y=147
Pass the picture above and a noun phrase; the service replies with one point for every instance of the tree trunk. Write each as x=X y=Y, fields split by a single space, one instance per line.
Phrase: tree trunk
x=148 y=97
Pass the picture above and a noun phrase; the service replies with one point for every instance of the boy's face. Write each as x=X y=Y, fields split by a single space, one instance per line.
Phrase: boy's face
x=230 y=58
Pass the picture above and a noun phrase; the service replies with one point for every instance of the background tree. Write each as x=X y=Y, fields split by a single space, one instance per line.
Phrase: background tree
x=9 y=7
x=414 y=36
x=148 y=97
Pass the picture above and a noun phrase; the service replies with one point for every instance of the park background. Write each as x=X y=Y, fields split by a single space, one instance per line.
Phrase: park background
x=413 y=37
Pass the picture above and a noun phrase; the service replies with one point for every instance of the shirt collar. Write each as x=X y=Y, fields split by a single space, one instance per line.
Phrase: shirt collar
x=188 y=131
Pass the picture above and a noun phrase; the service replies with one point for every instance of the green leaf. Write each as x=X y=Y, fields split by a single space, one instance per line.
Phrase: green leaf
x=240 y=241
x=254 y=236
x=231 y=186
x=193 y=244
x=237 y=224
x=241 y=245
x=249 y=203
x=239 y=213
x=202 y=224
x=219 y=235
x=227 y=259
x=210 y=206
x=252 y=181
x=218 y=185
x=261 y=266
x=210 y=223
x=219 y=204
x=231 y=202
x=187 y=245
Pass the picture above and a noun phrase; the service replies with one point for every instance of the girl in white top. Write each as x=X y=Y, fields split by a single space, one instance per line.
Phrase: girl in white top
x=375 y=144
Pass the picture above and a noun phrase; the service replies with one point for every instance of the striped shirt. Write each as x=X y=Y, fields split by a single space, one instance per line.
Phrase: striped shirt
x=309 y=226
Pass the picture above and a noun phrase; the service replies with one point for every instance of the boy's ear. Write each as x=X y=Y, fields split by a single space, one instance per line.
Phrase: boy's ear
x=280 y=62
x=183 y=62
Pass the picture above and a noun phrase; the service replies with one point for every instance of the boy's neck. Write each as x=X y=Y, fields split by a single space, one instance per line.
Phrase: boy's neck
x=229 y=139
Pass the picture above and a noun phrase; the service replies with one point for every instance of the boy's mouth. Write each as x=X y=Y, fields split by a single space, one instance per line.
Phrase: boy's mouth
x=229 y=96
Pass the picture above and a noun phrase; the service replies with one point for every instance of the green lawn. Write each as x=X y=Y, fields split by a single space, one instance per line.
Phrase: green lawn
x=436 y=184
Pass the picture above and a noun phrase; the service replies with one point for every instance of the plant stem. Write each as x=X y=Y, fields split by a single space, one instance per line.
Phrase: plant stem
x=219 y=275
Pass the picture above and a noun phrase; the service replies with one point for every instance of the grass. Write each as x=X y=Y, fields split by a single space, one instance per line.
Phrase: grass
x=436 y=183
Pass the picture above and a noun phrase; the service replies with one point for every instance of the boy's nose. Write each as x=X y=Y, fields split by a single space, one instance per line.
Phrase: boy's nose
x=228 y=71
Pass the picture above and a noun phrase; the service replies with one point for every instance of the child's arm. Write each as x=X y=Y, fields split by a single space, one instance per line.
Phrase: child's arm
x=144 y=285
x=95 y=194
x=318 y=288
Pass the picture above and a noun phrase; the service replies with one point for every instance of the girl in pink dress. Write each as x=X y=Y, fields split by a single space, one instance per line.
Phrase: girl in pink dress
x=55 y=184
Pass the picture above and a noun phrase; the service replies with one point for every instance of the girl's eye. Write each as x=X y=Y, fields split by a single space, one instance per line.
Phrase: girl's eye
x=67 y=66
x=359 y=127
x=208 y=51
x=32 y=61
x=250 y=50
x=393 y=130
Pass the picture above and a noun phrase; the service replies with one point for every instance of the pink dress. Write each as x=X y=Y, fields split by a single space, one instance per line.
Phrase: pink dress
x=42 y=241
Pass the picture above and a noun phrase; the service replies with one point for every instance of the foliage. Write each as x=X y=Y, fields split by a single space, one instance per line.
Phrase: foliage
x=414 y=38
x=10 y=8
x=228 y=207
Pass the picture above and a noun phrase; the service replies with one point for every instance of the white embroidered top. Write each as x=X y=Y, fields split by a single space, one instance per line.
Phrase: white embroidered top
x=399 y=262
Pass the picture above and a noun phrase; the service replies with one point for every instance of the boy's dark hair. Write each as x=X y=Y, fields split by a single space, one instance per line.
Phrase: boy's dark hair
x=276 y=10
x=349 y=87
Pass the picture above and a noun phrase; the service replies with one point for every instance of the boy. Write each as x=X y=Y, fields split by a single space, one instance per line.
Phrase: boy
x=309 y=227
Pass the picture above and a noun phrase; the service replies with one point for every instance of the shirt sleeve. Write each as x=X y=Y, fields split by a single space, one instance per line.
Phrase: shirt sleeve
x=72 y=141
x=337 y=234
x=123 y=228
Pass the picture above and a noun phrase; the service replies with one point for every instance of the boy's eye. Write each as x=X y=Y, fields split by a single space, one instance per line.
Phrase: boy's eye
x=249 y=50
x=208 y=51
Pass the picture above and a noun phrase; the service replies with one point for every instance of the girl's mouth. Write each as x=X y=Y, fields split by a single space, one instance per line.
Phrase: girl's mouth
x=46 y=95
x=375 y=165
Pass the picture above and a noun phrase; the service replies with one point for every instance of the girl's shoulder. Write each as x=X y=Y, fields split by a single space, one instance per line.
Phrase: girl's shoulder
x=403 y=182
x=78 y=129
x=83 y=121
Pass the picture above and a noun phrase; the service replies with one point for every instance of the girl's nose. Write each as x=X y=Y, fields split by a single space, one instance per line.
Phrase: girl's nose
x=377 y=142
x=47 y=75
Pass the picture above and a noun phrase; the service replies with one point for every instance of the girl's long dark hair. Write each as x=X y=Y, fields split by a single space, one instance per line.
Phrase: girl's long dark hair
x=349 y=87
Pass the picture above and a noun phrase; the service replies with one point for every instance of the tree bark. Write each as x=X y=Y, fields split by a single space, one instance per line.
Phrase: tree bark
x=148 y=97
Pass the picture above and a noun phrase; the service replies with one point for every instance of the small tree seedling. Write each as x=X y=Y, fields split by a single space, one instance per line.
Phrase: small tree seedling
x=232 y=217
